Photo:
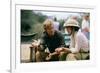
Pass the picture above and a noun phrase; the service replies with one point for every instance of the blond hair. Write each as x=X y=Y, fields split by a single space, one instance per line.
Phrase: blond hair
x=48 y=23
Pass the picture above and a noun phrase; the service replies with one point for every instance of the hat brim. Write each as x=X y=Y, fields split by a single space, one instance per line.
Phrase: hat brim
x=71 y=25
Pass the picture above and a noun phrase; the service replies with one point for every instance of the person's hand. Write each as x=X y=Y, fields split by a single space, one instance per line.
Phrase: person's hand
x=48 y=57
x=35 y=44
x=58 y=50
x=86 y=29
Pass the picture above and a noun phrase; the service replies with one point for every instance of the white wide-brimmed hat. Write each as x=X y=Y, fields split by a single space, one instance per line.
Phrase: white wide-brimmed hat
x=71 y=22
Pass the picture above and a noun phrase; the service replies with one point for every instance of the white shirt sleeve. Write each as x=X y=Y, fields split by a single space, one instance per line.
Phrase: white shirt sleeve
x=76 y=48
x=77 y=45
x=80 y=43
x=73 y=50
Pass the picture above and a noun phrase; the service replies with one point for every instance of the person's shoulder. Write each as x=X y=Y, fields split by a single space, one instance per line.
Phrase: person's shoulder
x=44 y=35
x=79 y=33
x=59 y=33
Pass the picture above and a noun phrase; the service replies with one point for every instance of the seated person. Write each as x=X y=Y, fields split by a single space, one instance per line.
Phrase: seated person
x=79 y=45
x=50 y=39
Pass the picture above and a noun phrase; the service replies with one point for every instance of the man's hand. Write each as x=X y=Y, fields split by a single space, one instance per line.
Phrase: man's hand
x=50 y=55
x=36 y=44
x=86 y=29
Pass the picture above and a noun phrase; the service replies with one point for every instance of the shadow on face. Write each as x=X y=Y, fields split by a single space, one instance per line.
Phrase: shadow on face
x=50 y=30
x=69 y=30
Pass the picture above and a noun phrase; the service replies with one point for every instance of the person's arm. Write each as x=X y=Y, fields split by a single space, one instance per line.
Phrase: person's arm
x=74 y=49
x=54 y=53
x=87 y=29
x=62 y=41
x=43 y=43
x=85 y=26
x=35 y=44
x=79 y=43
x=67 y=50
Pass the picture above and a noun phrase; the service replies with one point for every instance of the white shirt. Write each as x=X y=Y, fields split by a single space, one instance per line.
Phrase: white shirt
x=85 y=28
x=79 y=41
x=85 y=24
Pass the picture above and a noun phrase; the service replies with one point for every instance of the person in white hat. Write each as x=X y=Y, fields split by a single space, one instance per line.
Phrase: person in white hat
x=79 y=42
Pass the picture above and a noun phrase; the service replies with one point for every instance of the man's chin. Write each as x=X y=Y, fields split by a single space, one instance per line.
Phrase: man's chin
x=50 y=35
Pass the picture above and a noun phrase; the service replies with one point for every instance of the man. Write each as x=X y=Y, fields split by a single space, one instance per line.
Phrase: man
x=85 y=26
x=79 y=45
x=50 y=39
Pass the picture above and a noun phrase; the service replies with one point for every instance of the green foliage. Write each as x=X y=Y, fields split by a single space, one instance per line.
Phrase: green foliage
x=30 y=19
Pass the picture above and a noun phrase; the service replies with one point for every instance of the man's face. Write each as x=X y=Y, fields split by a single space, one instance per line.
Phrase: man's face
x=86 y=17
x=50 y=30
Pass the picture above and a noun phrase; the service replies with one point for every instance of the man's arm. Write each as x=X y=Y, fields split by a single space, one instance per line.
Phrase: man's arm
x=43 y=43
x=62 y=41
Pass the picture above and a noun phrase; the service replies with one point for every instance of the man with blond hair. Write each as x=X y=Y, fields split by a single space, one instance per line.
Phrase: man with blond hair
x=50 y=39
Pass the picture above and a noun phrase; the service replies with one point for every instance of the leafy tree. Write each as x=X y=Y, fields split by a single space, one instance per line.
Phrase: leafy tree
x=29 y=19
